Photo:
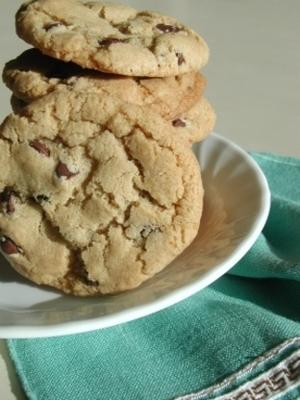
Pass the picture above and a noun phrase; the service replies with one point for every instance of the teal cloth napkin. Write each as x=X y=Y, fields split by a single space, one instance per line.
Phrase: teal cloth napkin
x=239 y=337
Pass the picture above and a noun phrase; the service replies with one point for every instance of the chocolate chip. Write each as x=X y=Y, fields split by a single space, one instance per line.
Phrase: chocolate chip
x=49 y=26
x=4 y=196
x=178 y=123
x=7 y=197
x=124 y=29
x=180 y=58
x=63 y=171
x=168 y=28
x=40 y=147
x=41 y=197
x=8 y=246
x=10 y=208
x=109 y=41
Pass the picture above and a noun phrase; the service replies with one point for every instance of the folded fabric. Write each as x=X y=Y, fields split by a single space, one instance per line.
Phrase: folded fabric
x=237 y=339
x=278 y=248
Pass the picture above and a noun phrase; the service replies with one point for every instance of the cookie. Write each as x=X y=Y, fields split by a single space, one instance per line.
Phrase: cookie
x=33 y=75
x=196 y=124
x=111 y=38
x=193 y=126
x=96 y=195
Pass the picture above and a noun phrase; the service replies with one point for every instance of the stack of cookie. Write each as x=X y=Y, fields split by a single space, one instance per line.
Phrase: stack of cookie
x=99 y=187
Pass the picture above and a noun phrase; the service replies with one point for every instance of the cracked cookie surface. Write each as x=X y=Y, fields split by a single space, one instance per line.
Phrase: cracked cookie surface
x=111 y=38
x=33 y=75
x=192 y=126
x=95 y=196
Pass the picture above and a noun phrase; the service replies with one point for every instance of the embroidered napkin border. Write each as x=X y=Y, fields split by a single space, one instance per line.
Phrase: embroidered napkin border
x=274 y=375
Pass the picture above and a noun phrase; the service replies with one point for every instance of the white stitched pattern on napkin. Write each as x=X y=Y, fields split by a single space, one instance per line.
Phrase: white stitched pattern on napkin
x=277 y=382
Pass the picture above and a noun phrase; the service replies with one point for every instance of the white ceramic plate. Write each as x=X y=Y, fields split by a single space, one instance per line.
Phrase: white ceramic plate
x=236 y=207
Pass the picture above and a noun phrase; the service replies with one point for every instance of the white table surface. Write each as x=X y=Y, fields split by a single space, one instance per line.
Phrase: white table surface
x=253 y=80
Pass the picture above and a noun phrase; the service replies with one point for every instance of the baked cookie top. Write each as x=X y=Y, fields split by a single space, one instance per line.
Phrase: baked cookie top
x=96 y=195
x=33 y=75
x=111 y=38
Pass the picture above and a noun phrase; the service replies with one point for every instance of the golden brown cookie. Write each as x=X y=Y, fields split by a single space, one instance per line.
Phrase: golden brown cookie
x=111 y=38
x=33 y=75
x=193 y=126
x=97 y=196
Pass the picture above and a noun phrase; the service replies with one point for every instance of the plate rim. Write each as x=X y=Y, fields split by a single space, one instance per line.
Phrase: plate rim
x=167 y=300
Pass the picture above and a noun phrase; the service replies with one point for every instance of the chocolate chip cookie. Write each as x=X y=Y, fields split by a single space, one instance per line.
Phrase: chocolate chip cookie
x=96 y=195
x=111 y=38
x=33 y=75
x=192 y=126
